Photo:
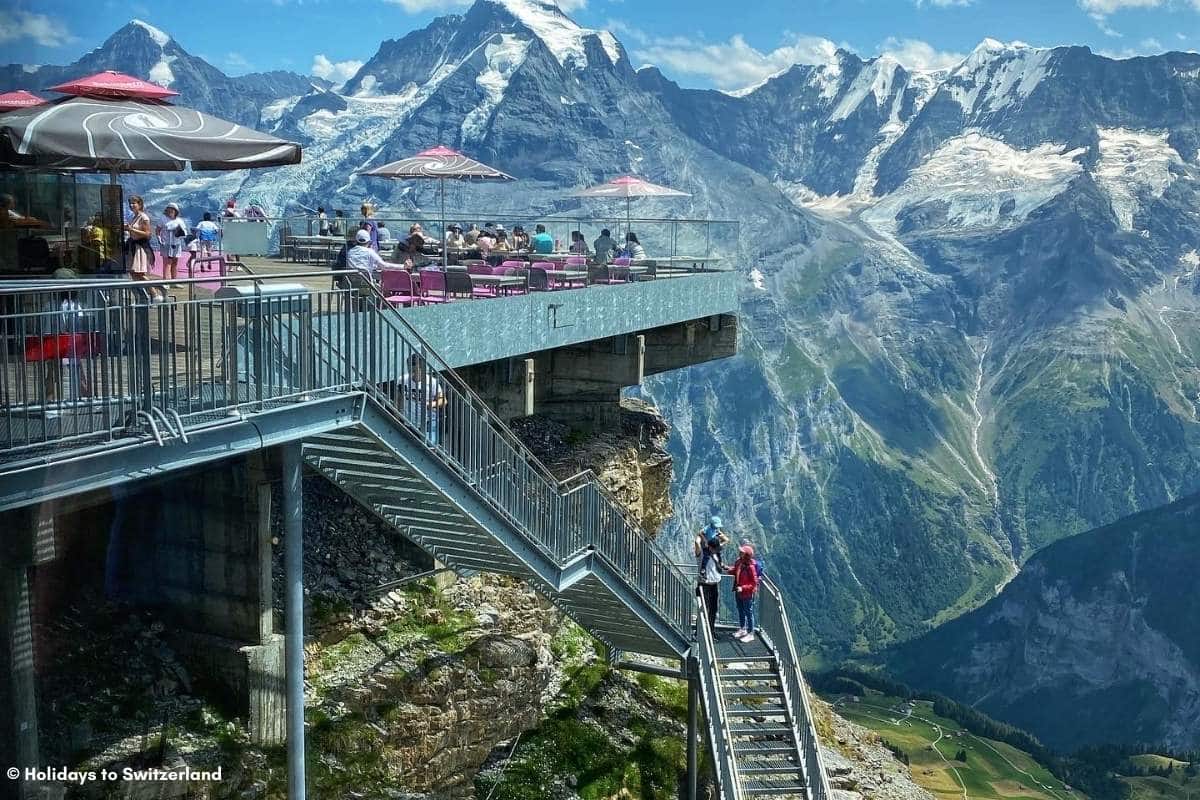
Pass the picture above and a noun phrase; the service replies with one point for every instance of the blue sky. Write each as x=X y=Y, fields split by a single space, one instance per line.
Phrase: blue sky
x=698 y=42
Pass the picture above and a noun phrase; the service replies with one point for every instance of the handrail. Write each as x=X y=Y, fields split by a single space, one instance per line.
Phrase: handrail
x=773 y=621
x=719 y=736
x=568 y=485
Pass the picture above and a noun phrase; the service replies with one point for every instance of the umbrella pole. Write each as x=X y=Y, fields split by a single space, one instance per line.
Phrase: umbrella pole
x=445 y=250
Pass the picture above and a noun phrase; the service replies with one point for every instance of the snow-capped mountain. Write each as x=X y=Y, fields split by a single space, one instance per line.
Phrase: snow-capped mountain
x=971 y=313
x=141 y=49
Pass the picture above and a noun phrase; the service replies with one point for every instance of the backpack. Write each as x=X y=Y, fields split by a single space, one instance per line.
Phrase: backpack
x=760 y=567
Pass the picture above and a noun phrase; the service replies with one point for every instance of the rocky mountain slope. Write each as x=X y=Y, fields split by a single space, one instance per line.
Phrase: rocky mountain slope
x=970 y=313
x=1096 y=641
x=143 y=50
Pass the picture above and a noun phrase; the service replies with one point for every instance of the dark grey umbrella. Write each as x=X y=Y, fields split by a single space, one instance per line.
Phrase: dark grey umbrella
x=443 y=164
x=121 y=135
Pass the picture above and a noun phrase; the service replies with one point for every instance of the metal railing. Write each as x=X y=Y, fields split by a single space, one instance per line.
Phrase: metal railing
x=719 y=736
x=159 y=370
x=773 y=622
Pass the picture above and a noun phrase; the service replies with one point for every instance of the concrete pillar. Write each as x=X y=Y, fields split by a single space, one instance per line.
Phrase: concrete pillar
x=529 y=387
x=18 y=685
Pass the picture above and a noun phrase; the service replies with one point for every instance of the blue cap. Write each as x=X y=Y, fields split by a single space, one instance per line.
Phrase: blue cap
x=715 y=521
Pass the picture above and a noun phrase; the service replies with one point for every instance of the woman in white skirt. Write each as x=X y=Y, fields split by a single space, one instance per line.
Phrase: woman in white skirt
x=172 y=232
x=141 y=256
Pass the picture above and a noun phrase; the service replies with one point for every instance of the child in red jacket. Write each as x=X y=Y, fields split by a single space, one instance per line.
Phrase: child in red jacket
x=745 y=586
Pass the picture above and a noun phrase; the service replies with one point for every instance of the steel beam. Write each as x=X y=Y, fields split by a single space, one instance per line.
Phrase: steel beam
x=293 y=519
x=143 y=459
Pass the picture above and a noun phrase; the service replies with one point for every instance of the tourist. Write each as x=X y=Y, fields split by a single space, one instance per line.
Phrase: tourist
x=337 y=226
x=255 y=212
x=423 y=398
x=322 y=222
x=633 y=248
x=368 y=224
x=363 y=257
x=541 y=242
x=208 y=233
x=230 y=211
x=714 y=531
x=485 y=241
x=502 y=245
x=604 y=246
x=710 y=572
x=141 y=256
x=472 y=235
x=578 y=244
x=455 y=239
x=171 y=233
x=758 y=562
x=385 y=236
x=745 y=586
x=520 y=239
x=414 y=246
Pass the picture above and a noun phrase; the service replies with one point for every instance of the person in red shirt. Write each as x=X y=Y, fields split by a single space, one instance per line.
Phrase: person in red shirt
x=745 y=587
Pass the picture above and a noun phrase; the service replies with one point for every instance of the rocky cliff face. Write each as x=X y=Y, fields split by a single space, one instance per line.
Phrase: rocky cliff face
x=1095 y=641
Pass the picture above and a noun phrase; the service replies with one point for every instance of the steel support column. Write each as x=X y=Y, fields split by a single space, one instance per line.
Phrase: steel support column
x=293 y=522
x=693 y=726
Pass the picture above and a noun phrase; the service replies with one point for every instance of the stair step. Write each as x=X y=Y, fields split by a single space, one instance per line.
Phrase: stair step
x=760 y=729
x=776 y=790
x=731 y=675
x=759 y=711
x=734 y=695
x=771 y=747
x=792 y=770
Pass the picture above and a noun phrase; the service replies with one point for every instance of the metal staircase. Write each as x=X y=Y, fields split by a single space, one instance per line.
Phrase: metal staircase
x=761 y=727
x=380 y=415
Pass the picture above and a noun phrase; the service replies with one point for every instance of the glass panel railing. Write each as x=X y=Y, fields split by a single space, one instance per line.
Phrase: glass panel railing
x=669 y=242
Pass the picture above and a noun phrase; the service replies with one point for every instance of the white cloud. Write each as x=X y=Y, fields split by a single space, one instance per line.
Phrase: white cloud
x=1111 y=6
x=237 y=62
x=417 y=6
x=920 y=55
x=336 y=71
x=734 y=63
x=39 y=28
x=420 y=6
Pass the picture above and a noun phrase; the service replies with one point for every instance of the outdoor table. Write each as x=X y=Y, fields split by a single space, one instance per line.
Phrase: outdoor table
x=498 y=281
x=566 y=275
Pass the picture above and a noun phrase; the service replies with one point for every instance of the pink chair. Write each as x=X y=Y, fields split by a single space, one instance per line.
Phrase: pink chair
x=577 y=262
x=397 y=287
x=514 y=264
x=433 y=280
x=624 y=261
x=479 y=269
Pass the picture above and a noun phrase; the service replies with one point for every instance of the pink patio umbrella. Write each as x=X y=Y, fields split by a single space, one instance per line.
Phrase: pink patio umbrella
x=111 y=83
x=629 y=187
x=19 y=99
x=440 y=163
